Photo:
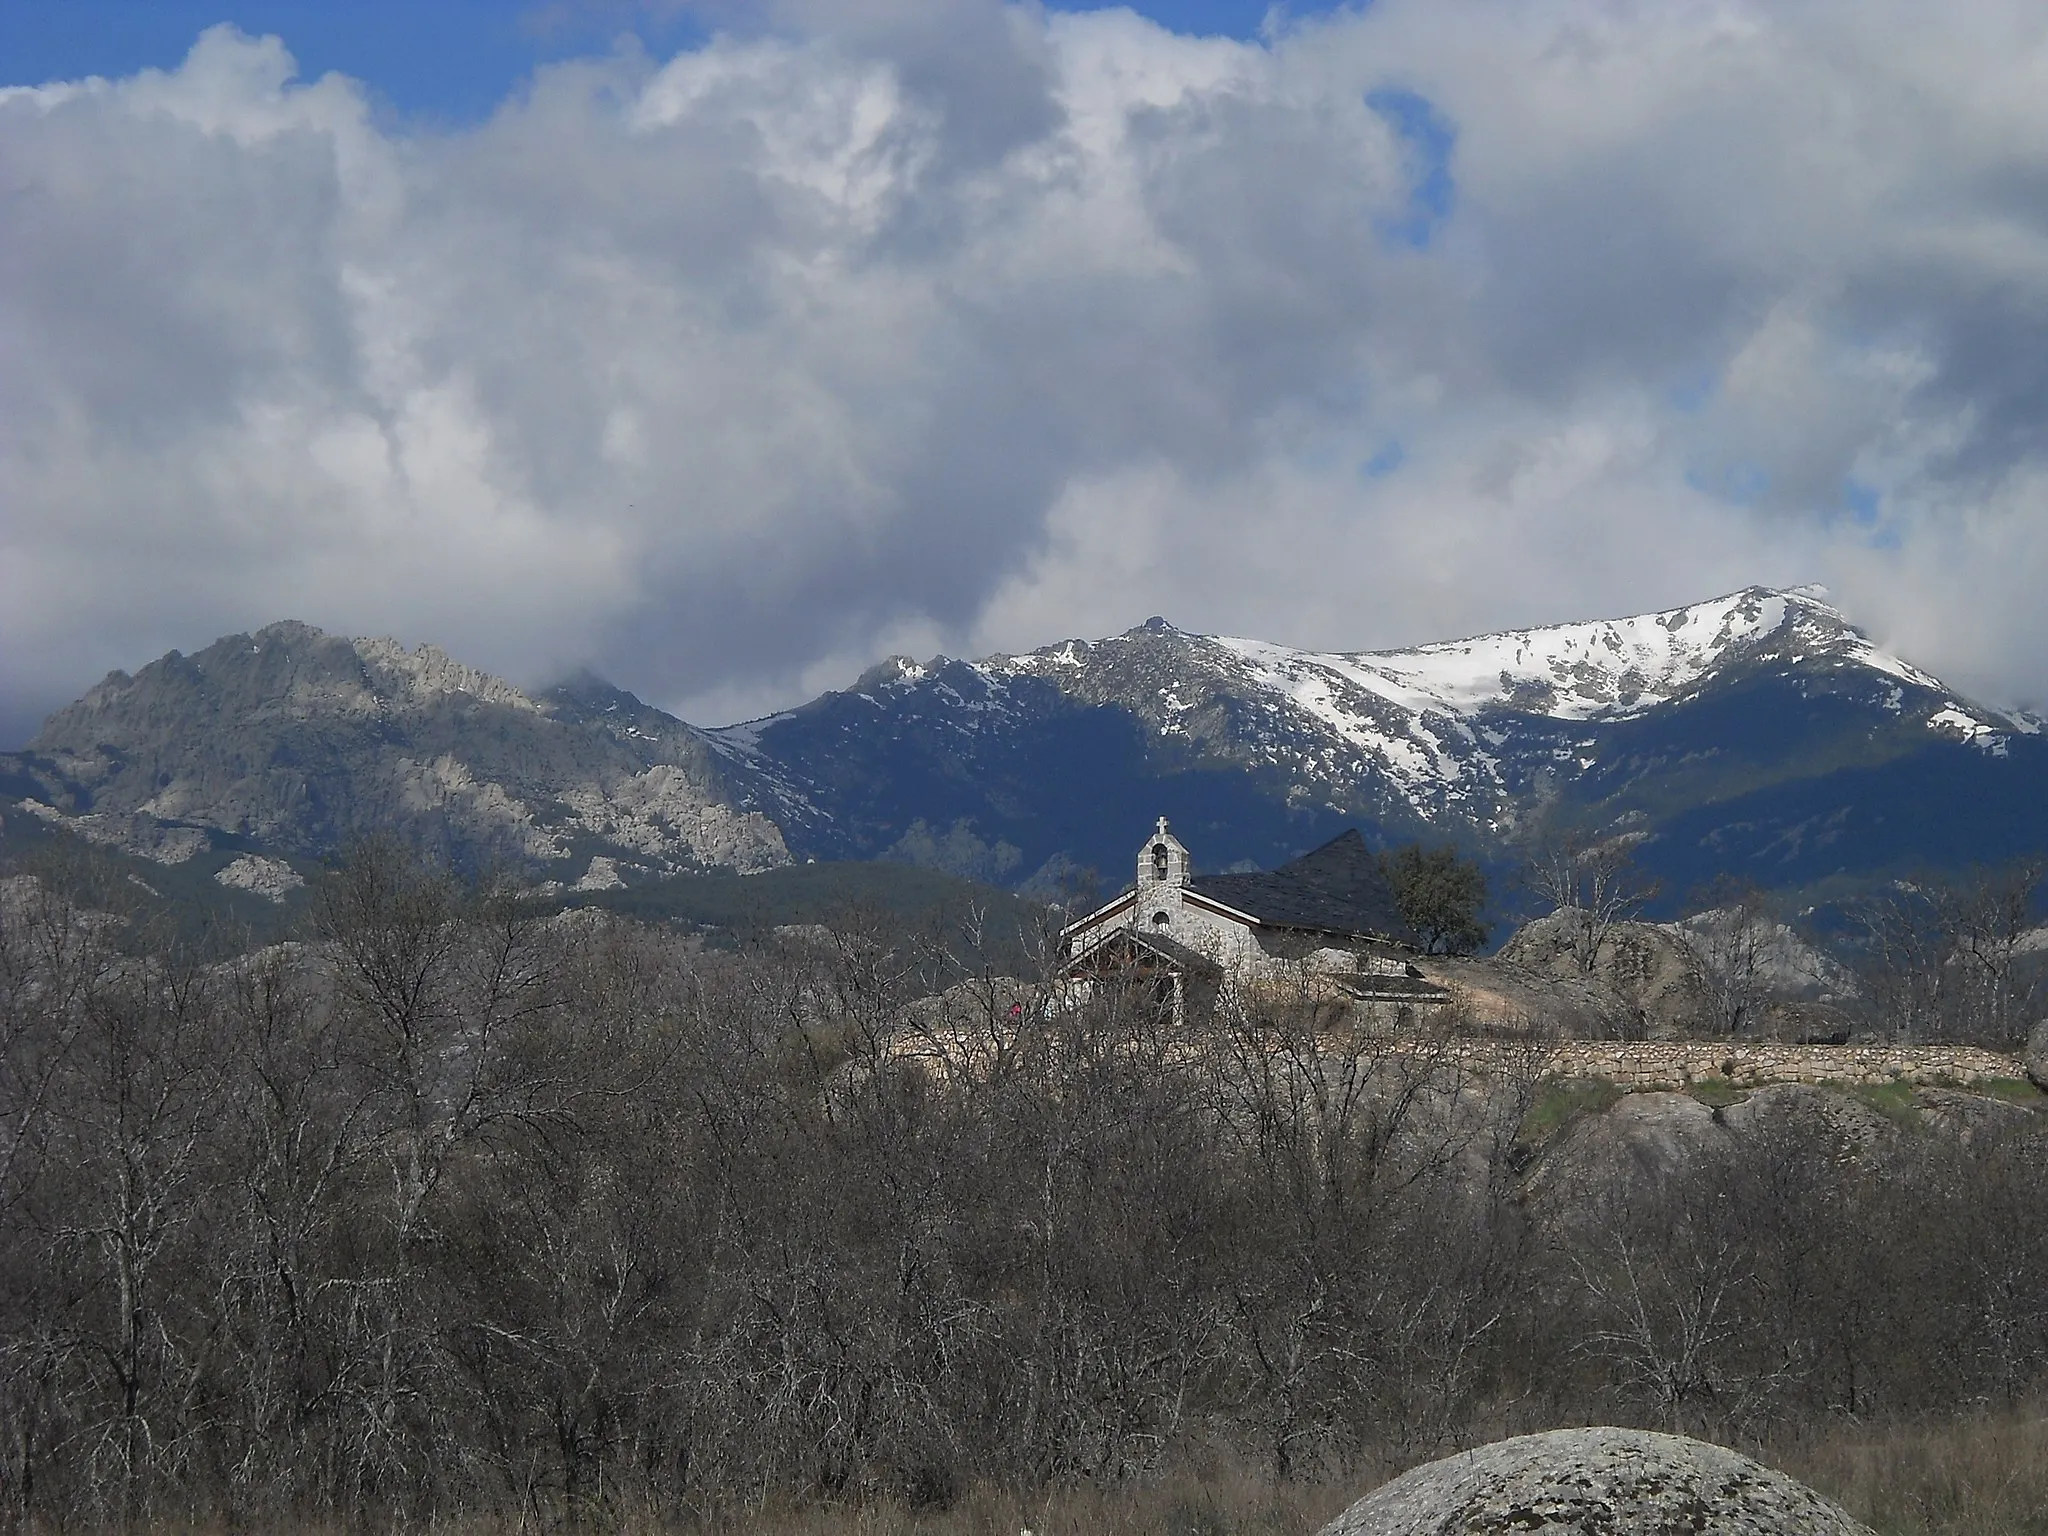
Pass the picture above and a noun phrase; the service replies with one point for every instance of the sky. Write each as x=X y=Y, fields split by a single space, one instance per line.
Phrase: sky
x=725 y=346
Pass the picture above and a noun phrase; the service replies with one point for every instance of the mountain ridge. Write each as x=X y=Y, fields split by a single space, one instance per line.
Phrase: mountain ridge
x=1456 y=738
x=296 y=739
x=1767 y=702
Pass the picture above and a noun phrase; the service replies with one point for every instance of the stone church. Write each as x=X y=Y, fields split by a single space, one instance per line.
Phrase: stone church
x=1329 y=915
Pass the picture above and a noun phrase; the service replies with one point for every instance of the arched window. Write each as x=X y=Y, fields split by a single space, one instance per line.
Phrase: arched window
x=1159 y=861
x=1160 y=919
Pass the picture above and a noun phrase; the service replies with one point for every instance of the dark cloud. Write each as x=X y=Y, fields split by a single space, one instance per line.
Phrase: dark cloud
x=882 y=324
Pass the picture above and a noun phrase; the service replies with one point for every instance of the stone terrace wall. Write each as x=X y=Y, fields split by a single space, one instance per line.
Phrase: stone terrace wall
x=1673 y=1064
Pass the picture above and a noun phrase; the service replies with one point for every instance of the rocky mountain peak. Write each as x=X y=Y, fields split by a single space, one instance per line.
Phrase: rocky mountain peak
x=1602 y=669
x=427 y=672
x=298 y=740
x=889 y=672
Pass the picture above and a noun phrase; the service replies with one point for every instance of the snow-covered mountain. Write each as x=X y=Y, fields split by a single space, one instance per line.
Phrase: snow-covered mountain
x=1607 y=669
x=1445 y=726
x=1458 y=736
x=1759 y=733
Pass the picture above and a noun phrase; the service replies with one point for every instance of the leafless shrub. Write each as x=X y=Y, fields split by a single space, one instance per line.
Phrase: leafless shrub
x=453 y=1212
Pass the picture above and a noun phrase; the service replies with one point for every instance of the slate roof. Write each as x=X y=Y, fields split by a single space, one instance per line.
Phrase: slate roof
x=1392 y=989
x=1191 y=960
x=1338 y=888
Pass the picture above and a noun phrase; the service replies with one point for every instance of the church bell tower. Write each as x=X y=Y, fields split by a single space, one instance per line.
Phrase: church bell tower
x=1163 y=873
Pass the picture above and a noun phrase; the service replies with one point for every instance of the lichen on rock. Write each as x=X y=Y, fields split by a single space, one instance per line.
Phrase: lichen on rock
x=1607 y=1481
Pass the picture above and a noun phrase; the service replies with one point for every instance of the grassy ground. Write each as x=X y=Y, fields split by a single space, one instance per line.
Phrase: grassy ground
x=2014 y=1090
x=1562 y=1100
x=1716 y=1092
x=1980 y=1476
x=1893 y=1100
x=1220 y=1506
x=1983 y=1476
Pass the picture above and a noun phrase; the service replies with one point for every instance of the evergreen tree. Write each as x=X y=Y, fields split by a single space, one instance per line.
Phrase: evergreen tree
x=1440 y=896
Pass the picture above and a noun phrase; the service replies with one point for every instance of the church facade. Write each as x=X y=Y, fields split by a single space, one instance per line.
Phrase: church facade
x=1329 y=915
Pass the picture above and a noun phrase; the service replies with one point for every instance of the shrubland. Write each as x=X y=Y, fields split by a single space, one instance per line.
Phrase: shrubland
x=455 y=1213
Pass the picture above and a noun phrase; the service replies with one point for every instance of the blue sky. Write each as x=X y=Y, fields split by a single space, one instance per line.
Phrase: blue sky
x=446 y=59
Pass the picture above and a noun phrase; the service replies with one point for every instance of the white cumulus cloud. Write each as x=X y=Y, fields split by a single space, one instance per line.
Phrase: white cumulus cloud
x=966 y=324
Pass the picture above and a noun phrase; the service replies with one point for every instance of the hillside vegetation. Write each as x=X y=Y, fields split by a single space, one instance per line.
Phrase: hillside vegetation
x=456 y=1210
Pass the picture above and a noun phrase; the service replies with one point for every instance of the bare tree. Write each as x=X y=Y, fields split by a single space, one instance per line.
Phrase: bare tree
x=1734 y=934
x=134 y=1117
x=1989 y=913
x=1663 y=1319
x=1592 y=883
x=1343 y=1133
x=1945 y=959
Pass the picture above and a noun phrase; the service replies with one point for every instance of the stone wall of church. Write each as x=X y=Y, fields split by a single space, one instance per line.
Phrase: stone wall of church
x=1229 y=944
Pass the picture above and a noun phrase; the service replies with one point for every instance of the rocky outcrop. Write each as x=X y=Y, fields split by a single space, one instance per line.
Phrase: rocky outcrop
x=1644 y=1141
x=300 y=741
x=1654 y=972
x=1605 y=1481
x=1829 y=1123
x=2034 y=1059
x=272 y=879
x=1972 y=1117
x=1800 y=1021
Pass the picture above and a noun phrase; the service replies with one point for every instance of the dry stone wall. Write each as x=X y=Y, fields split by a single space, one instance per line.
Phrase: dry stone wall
x=1676 y=1063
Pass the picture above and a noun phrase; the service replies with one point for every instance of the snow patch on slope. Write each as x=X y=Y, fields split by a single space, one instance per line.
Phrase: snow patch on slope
x=1605 y=670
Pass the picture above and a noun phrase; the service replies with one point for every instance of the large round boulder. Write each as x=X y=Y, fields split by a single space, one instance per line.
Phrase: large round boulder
x=1654 y=971
x=1614 y=1482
